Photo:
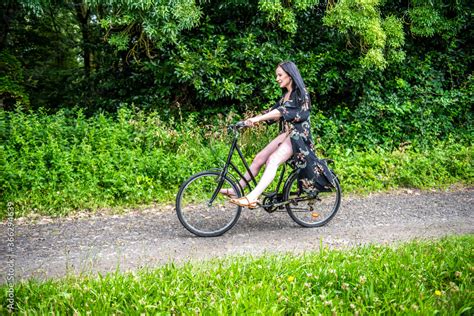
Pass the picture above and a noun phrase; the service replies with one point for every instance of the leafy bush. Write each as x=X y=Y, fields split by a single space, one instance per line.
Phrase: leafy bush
x=55 y=164
x=12 y=90
x=437 y=167
x=200 y=55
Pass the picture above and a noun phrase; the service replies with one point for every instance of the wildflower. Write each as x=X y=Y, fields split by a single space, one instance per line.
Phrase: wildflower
x=438 y=293
x=328 y=303
x=291 y=278
x=454 y=287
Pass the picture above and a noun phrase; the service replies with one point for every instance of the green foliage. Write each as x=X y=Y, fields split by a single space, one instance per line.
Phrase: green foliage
x=374 y=170
x=153 y=22
x=203 y=62
x=40 y=39
x=384 y=77
x=57 y=164
x=375 y=35
x=283 y=12
x=417 y=108
x=34 y=6
x=12 y=90
x=422 y=277
x=212 y=56
x=430 y=17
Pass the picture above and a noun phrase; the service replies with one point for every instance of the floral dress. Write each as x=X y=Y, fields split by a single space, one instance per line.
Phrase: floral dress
x=313 y=173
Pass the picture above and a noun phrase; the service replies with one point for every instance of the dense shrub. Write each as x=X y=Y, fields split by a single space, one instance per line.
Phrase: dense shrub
x=200 y=54
x=391 y=85
x=55 y=164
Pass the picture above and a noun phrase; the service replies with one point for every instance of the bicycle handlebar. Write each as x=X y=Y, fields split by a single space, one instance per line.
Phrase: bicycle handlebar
x=241 y=124
x=237 y=126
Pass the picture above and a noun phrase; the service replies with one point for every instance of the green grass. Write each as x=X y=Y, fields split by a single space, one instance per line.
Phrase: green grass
x=422 y=277
x=57 y=164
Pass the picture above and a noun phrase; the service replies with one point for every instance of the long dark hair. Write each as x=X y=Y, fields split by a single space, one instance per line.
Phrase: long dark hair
x=298 y=84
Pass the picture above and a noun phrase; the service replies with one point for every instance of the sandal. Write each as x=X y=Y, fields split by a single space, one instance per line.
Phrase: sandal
x=228 y=192
x=244 y=201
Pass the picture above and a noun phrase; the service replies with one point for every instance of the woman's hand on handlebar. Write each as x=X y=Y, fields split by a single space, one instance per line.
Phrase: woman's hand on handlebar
x=247 y=123
x=251 y=121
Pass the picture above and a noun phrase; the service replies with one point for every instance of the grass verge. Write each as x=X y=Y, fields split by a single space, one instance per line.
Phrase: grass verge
x=421 y=277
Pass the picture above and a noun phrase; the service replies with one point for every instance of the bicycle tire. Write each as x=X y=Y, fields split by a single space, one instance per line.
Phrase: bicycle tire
x=194 y=211
x=312 y=211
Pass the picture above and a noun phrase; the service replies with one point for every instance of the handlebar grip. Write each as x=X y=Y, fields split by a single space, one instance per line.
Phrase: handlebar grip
x=237 y=126
x=240 y=124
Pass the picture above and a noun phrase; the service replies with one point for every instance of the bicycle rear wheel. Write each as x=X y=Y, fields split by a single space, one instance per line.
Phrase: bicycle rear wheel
x=200 y=215
x=312 y=211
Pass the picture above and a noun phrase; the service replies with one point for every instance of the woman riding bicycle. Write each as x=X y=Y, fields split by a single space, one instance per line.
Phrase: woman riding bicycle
x=294 y=142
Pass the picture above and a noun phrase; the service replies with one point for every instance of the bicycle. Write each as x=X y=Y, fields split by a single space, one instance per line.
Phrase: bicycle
x=205 y=212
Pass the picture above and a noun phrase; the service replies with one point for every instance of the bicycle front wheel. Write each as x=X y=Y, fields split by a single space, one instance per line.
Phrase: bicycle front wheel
x=312 y=211
x=200 y=214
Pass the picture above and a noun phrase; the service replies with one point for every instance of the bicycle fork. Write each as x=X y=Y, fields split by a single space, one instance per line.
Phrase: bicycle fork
x=225 y=170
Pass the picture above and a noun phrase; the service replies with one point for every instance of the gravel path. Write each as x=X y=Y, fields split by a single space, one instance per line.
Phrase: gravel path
x=104 y=243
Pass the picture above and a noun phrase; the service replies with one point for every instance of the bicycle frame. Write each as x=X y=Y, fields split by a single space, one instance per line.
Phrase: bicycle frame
x=198 y=218
x=230 y=165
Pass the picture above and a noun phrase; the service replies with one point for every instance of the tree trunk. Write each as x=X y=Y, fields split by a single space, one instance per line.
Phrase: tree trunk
x=83 y=16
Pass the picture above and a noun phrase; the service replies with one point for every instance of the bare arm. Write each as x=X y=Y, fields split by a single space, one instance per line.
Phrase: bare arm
x=270 y=116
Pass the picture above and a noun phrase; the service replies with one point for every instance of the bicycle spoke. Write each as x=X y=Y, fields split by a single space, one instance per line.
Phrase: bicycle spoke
x=311 y=211
x=204 y=211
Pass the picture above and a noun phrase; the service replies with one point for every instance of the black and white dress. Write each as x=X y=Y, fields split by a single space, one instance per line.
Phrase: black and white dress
x=313 y=173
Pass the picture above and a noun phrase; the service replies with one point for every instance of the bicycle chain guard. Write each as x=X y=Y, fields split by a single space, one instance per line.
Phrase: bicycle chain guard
x=271 y=201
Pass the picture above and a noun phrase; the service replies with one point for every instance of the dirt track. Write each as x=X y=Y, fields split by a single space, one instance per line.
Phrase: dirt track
x=104 y=243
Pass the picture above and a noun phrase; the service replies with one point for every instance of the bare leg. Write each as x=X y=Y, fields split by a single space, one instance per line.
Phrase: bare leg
x=259 y=160
x=262 y=157
x=279 y=156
